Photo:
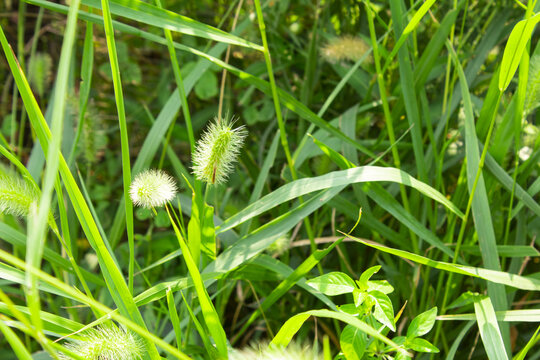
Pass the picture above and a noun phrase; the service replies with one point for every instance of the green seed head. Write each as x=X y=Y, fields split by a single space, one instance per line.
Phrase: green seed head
x=152 y=188
x=217 y=150
x=16 y=194
x=108 y=342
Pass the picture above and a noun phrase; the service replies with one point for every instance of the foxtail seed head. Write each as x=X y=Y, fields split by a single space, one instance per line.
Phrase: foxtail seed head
x=152 y=188
x=263 y=352
x=217 y=150
x=108 y=342
x=345 y=47
x=16 y=194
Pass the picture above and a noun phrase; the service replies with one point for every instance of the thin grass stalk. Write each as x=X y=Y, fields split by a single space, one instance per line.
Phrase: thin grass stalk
x=37 y=225
x=227 y=55
x=180 y=85
x=387 y=113
x=126 y=167
x=281 y=124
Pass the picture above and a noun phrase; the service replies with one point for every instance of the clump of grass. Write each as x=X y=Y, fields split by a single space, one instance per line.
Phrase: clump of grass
x=108 y=342
x=345 y=47
x=217 y=150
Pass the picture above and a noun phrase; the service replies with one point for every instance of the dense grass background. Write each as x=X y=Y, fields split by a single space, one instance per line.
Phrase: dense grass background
x=430 y=88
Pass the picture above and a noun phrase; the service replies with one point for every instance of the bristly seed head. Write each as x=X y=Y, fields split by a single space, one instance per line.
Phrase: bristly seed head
x=108 y=342
x=16 y=194
x=152 y=188
x=217 y=150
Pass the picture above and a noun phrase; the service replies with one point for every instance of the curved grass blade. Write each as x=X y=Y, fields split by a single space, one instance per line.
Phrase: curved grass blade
x=498 y=277
x=337 y=178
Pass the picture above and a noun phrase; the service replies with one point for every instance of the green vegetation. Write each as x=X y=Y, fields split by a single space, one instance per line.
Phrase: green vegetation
x=302 y=179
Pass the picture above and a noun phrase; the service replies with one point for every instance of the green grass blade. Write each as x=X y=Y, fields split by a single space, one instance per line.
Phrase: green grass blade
x=211 y=317
x=480 y=201
x=489 y=329
x=337 y=178
x=16 y=344
x=498 y=277
x=173 y=313
x=152 y=15
x=124 y=142
x=258 y=240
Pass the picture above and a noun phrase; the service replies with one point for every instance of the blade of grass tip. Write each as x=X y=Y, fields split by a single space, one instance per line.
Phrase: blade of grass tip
x=210 y=315
x=38 y=221
x=124 y=142
x=114 y=279
x=113 y=314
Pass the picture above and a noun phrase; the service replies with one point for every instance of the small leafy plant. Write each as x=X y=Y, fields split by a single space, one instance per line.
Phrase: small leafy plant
x=372 y=305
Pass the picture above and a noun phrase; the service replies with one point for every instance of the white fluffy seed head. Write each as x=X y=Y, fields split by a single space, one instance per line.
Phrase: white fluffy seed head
x=262 y=352
x=108 y=342
x=152 y=188
x=217 y=150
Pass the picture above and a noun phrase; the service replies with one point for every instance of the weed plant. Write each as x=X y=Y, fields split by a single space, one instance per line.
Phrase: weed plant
x=269 y=180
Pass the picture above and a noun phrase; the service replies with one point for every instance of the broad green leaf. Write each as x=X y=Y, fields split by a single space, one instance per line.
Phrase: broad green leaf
x=366 y=275
x=489 y=329
x=353 y=342
x=291 y=327
x=422 y=324
x=421 y=345
x=332 y=284
x=380 y=285
x=384 y=311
